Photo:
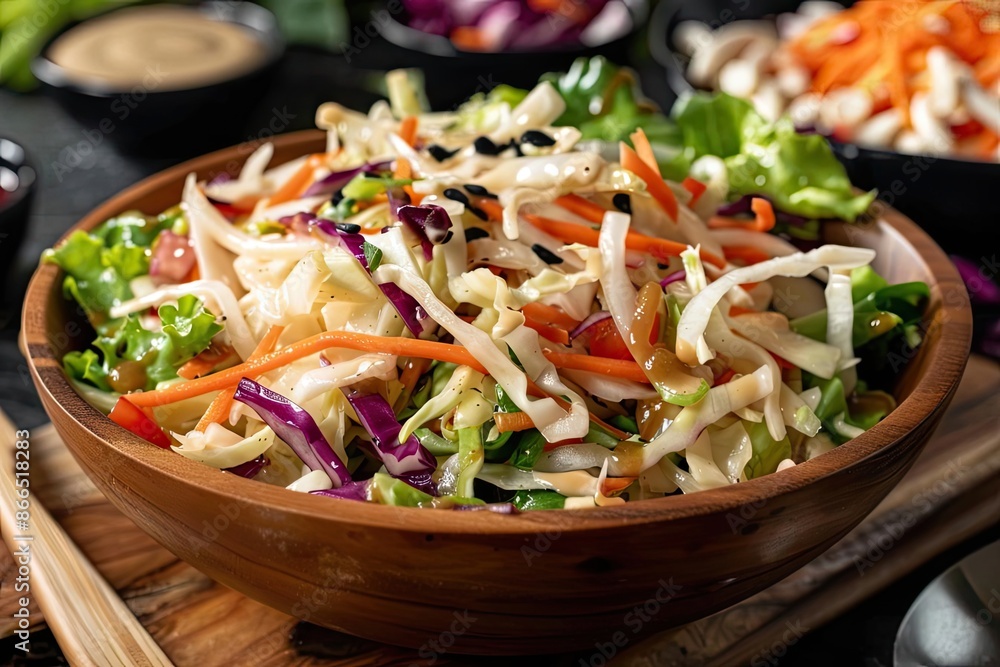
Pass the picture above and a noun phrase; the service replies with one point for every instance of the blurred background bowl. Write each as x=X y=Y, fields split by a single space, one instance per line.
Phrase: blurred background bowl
x=17 y=188
x=450 y=73
x=953 y=199
x=175 y=121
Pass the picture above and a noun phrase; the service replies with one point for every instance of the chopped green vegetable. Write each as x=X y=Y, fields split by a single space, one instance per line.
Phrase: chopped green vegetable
x=538 y=500
x=767 y=453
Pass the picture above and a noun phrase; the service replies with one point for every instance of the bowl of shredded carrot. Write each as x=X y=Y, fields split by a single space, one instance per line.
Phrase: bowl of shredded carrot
x=908 y=92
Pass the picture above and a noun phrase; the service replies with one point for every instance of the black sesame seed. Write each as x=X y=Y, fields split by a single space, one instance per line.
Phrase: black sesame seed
x=546 y=255
x=661 y=266
x=473 y=233
x=348 y=227
x=440 y=153
x=622 y=202
x=536 y=138
x=338 y=197
x=478 y=190
x=455 y=194
x=371 y=174
x=485 y=146
x=478 y=212
x=448 y=237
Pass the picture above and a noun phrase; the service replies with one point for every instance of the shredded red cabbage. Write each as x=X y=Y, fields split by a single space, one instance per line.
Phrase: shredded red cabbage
x=294 y=426
x=349 y=491
x=674 y=277
x=430 y=223
x=250 y=468
x=593 y=319
x=408 y=461
x=338 y=179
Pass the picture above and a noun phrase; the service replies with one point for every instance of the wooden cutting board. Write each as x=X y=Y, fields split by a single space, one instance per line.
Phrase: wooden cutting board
x=952 y=493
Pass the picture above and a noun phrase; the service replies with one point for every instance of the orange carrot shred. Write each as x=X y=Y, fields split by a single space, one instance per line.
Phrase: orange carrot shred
x=512 y=421
x=655 y=184
x=584 y=208
x=695 y=187
x=644 y=150
x=218 y=411
x=408 y=130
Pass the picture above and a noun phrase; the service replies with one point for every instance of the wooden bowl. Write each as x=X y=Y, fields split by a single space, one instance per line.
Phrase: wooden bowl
x=477 y=582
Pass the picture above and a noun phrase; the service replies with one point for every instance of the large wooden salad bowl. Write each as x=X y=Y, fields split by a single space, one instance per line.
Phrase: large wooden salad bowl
x=492 y=584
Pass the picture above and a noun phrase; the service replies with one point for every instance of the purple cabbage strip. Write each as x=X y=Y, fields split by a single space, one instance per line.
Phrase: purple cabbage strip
x=397 y=200
x=593 y=319
x=407 y=307
x=349 y=491
x=338 y=179
x=407 y=461
x=295 y=427
x=250 y=468
x=430 y=223
x=674 y=277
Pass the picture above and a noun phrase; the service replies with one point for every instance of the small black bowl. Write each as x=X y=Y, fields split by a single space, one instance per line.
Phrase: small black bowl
x=952 y=199
x=451 y=75
x=172 y=122
x=17 y=187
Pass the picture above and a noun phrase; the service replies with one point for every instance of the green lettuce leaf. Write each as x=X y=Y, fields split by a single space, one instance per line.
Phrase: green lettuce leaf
x=797 y=172
x=186 y=330
x=604 y=102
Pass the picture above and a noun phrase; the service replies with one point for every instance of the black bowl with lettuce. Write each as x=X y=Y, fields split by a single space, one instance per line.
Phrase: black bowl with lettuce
x=952 y=199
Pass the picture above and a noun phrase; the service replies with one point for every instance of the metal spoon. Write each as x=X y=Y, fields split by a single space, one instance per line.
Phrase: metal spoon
x=955 y=621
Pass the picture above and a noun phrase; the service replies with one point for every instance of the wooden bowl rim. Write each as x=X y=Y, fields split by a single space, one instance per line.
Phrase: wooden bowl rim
x=945 y=363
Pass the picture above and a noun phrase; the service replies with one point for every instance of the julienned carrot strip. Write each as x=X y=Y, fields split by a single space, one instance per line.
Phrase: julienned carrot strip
x=408 y=130
x=764 y=213
x=205 y=362
x=403 y=347
x=218 y=411
x=735 y=311
x=512 y=421
x=644 y=150
x=403 y=168
x=695 y=187
x=584 y=208
x=762 y=222
x=745 y=253
x=615 y=484
x=627 y=370
x=655 y=184
x=412 y=372
x=546 y=313
x=547 y=331
x=571 y=232
x=297 y=183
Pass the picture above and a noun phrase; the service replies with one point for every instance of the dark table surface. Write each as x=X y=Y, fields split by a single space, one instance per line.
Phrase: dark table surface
x=863 y=636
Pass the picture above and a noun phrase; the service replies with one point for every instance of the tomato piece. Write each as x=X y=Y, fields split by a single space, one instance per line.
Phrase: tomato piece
x=605 y=341
x=130 y=417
